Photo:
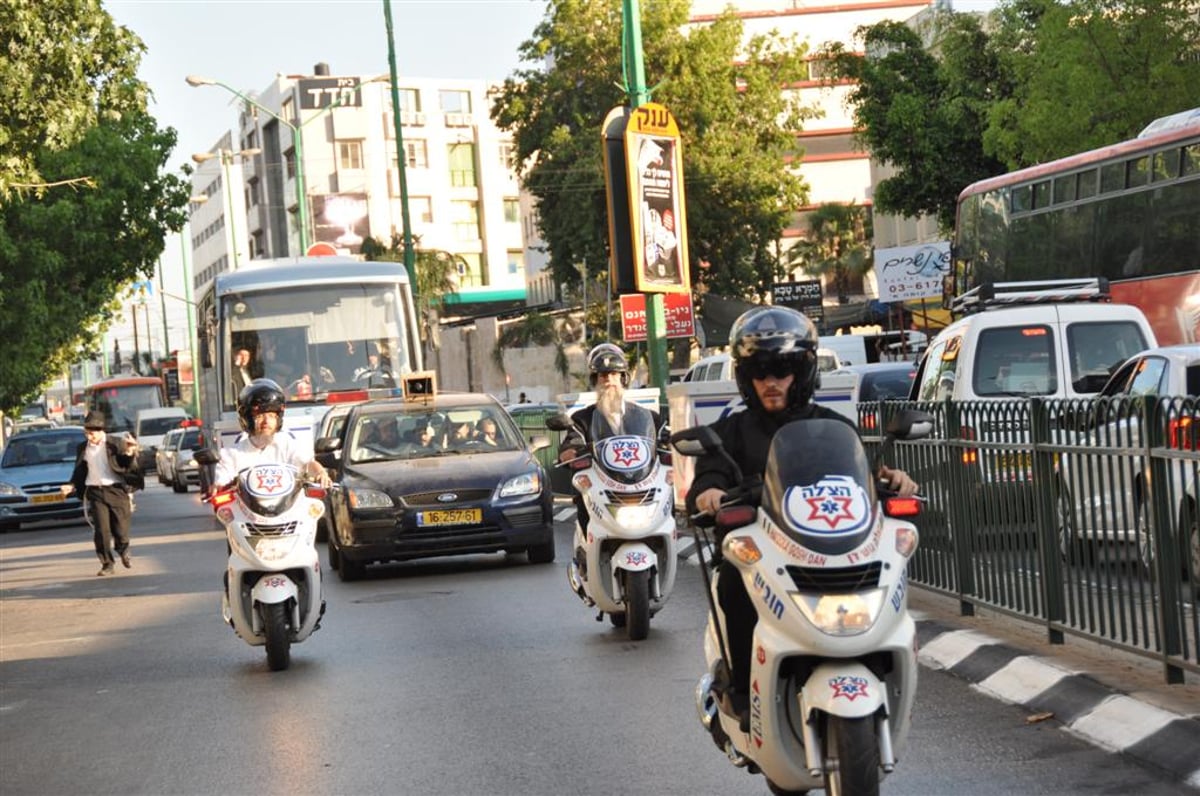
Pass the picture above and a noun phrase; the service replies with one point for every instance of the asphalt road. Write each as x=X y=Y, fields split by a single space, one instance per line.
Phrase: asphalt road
x=471 y=675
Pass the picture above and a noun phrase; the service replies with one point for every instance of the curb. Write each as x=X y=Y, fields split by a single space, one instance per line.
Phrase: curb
x=1087 y=708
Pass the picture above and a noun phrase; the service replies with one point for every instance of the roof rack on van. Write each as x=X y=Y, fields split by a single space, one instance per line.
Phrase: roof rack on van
x=991 y=295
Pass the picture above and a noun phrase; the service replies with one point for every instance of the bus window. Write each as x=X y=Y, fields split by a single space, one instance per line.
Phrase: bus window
x=121 y=398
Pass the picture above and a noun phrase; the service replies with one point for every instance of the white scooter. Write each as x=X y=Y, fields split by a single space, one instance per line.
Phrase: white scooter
x=833 y=669
x=625 y=564
x=273 y=594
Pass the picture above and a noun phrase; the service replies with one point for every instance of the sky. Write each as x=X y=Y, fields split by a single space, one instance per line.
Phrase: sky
x=244 y=43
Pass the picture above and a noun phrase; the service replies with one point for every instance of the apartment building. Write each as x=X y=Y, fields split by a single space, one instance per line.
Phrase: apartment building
x=335 y=135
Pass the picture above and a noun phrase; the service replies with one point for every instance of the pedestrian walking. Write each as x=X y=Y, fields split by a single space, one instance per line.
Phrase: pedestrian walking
x=105 y=471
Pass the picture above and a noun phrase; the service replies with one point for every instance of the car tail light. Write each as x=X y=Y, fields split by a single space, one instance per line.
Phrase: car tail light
x=1181 y=433
x=969 y=455
x=870 y=421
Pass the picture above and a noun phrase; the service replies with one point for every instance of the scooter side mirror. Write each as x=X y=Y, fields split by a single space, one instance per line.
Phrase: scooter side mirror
x=695 y=441
x=559 y=422
x=205 y=456
x=910 y=424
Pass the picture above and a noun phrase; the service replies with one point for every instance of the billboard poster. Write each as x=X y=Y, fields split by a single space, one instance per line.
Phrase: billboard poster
x=805 y=296
x=654 y=160
x=677 y=307
x=912 y=272
x=341 y=220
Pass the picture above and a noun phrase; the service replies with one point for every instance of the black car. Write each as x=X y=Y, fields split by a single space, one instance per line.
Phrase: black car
x=445 y=476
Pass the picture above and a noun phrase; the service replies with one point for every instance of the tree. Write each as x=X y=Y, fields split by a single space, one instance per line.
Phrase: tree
x=65 y=255
x=437 y=277
x=63 y=64
x=922 y=113
x=1089 y=73
x=535 y=329
x=838 y=246
x=737 y=127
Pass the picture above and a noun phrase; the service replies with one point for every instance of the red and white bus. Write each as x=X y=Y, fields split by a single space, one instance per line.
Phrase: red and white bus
x=1129 y=212
x=120 y=398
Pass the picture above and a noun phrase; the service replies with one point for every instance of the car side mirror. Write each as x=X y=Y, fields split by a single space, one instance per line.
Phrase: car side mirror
x=327 y=445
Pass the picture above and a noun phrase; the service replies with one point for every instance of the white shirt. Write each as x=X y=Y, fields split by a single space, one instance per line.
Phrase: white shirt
x=99 y=473
x=283 y=449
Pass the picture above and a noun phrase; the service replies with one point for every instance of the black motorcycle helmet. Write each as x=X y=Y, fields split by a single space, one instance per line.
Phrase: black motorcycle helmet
x=260 y=395
x=775 y=339
x=607 y=358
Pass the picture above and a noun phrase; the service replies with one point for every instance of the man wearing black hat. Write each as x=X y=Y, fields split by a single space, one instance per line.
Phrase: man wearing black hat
x=104 y=469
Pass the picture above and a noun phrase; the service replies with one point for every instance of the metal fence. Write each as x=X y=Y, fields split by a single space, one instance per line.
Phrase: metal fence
x=1079 y=515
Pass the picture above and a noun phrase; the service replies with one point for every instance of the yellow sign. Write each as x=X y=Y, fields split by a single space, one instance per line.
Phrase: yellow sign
x=654 y=164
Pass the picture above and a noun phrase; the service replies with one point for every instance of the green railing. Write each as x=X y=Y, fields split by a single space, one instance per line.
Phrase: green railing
x=1079 y=515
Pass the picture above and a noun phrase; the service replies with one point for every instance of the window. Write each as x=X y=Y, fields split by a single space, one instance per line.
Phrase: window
x=1015 y=360
x=512 y=211
x=508 y=155
x=416 y=156
x=287 y=110
x=516 y=261
x=455 y=101
x=1064 y=188
x=1137 y=171
x=410 y=100
x=1166 y=165
x=252 y=192
x=1087 y=184
x=1149 y=377
x=1041 y=194
x=350 y=155
x=420 y=208
x=289 y=160
x=1097 y=349
x=470 y=270
x=464 y=219
x=462 y=165
x=1112 y=177
x=1022 y=198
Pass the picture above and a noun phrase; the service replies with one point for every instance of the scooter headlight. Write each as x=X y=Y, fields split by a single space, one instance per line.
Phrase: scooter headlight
x=634 y=517
x=841 y=614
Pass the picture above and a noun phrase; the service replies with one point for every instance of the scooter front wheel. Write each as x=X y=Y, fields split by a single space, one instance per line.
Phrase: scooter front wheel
x=279 y=641
x=637 y=604
x=852 y=757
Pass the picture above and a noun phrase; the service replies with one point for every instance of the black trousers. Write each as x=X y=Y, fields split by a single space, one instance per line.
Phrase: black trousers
x=740 y=619
x=111 y=514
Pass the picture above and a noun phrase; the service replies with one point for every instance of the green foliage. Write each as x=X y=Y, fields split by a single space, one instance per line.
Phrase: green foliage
x=1089 y=73
x=838 y=245
x=437 y=272
x=534 y=329
x=84 y=207
x=737 y=129
x=923 y=114
x=63 y=64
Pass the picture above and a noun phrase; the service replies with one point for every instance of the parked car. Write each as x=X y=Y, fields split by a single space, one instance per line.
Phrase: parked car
x=1099 y=502
x=408 y=487
x=33 y=466
x=163 y=456
x=878 y=381
x=185 y=470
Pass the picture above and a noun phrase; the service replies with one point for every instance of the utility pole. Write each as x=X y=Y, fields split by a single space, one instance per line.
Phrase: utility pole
x=410 y=257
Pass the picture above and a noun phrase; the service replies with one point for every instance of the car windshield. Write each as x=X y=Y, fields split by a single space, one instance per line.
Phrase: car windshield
x=35 y=449
x=428 y=432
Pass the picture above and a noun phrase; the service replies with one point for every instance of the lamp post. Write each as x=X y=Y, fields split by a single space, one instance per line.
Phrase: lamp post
x=297 y=138
x=227 y=157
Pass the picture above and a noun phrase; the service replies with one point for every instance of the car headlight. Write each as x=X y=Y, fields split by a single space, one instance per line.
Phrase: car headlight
x=369 y=499
x=10 y=490
x=525 y=484
x=841 y=614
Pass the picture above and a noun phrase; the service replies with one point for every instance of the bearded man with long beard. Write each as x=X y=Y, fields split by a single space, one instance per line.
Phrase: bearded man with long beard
x=608 y=371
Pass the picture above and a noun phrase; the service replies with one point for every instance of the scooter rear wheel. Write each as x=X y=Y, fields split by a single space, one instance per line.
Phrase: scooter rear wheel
x=279 y=641
x=852 y=757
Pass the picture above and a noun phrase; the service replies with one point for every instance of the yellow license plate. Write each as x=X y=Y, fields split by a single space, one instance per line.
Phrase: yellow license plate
x=449 y=517
x=51 y=497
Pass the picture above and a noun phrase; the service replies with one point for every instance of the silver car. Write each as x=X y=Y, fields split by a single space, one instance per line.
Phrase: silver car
x=33 y=466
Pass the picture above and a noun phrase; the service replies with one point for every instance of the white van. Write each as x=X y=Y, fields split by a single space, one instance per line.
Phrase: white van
x=1053 y=339
x=150 y=426
x=720 y=366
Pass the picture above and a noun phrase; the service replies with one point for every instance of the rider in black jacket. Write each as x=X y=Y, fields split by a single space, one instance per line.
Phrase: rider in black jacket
x=775 y=365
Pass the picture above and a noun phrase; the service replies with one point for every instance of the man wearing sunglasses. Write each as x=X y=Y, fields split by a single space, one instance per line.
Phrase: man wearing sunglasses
x=775 y=364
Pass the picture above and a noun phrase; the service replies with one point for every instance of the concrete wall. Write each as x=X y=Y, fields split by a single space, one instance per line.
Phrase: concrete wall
x=464 y=362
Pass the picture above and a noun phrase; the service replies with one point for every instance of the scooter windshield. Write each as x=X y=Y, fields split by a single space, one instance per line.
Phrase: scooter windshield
x=269 y=489
x=818 y=486
x=624 y=451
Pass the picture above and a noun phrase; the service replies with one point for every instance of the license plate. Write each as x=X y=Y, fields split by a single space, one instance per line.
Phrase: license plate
x=50 y=497
x=449 y=517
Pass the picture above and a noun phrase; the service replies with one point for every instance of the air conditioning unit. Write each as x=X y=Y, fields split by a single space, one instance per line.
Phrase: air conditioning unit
x=458 y=120
x=412 y=119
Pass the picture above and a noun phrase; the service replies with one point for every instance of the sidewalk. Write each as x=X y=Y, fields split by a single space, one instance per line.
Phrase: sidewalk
x=1113 y=699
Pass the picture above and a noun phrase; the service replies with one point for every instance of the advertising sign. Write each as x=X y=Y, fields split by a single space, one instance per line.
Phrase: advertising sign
x=654 y=160
x=341 y=220
x=680 y=320
x=616 y=194
x=912 y=272
x=805 y=296
x=321 y=92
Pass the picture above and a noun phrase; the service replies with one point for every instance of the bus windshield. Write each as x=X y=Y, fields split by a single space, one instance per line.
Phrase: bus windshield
x=313 y=340
x=120 y=401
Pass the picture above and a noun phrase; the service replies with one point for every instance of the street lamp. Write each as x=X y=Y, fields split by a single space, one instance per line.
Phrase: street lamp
x=227 y=157
x=297 y=138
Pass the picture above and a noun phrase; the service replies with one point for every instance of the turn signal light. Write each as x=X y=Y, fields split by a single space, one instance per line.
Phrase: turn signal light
x=906 y=540
x=222 y=498
x=742 y=548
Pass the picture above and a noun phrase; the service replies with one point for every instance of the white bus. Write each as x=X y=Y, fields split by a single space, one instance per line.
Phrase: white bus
x=327 y=329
